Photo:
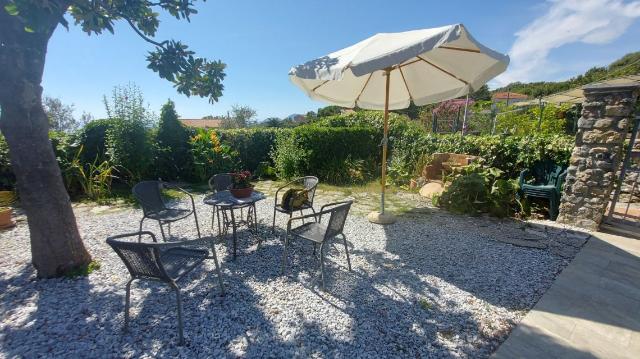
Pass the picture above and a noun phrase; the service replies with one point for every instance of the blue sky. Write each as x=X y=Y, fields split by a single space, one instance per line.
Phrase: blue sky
x=260 y=40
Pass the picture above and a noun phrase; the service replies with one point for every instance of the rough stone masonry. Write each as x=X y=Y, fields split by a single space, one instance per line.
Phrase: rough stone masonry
x=606 y=116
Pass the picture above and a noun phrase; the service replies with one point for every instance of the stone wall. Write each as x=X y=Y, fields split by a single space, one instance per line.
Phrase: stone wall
x=606 y=116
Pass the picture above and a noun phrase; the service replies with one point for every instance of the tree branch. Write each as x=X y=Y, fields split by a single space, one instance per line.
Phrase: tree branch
x=143 y=36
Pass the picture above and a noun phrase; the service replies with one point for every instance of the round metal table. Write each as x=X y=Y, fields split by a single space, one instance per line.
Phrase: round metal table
x=224 y=203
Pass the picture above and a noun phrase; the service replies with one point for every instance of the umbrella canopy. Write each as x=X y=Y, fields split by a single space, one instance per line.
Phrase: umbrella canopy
x=389 y=71
x=427 y=66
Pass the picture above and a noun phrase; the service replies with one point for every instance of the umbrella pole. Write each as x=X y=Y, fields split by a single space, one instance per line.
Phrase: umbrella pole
x=382 y=217
x=385 y=137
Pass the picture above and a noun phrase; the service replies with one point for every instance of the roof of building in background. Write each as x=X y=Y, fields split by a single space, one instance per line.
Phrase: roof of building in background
x=202 y=123
x=509 y=95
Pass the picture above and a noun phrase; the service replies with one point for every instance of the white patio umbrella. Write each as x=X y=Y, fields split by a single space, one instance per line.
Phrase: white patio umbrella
x=390 y=70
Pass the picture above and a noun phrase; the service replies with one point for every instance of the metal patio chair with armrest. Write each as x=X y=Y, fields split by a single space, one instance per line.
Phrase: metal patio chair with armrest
x=548 y=179
x=309 y=183
x=153 y=206
x=319 y=232
x=164 y=262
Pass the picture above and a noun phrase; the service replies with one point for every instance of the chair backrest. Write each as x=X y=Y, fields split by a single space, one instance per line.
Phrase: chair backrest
x=141 y=259
x=338 y=218
x=310 y=183
x=546 y=172
x=220 y=182
x=149 y=196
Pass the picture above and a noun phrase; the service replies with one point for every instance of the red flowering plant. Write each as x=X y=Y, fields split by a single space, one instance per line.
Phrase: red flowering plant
x=241 y=180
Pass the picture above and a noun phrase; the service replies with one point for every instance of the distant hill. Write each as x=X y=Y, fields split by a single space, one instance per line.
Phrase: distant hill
x=629 y=64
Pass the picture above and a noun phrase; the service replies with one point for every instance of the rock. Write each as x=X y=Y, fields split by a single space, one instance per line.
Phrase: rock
x=381 y=218
x=431 y=188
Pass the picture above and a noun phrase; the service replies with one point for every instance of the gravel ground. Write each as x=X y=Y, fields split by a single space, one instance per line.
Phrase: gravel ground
x=431 y=285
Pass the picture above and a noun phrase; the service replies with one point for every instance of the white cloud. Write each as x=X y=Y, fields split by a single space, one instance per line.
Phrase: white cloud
x=565 y=22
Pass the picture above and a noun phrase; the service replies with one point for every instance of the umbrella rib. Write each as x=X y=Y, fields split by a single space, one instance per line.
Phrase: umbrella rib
x=443 y=70
x=408 y=63
x=405 y=83
x=363 y=87
x=317 y=87
x=458 y=49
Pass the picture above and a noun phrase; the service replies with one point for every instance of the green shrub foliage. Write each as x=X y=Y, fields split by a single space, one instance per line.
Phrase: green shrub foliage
x=477 y=189
x=173 y=156
x=252 y=145
x=93 y=140
x=7 y=179
x=129 y=148
x=210 y=156
x=333 y=154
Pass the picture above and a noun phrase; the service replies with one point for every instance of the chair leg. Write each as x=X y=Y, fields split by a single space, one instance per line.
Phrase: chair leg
x=195 y=216
x=213 y=216
x=273 y=226
x=284 y=253
x=322 y=264
x=140 y=230
x=219 y=226
x=164 y=239
x=218 y=271
x=180 y=324
x=553 y=208
x=346 y=249
x=127 y=305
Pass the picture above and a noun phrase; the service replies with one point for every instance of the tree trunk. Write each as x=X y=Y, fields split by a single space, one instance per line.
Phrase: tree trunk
x=56 y=246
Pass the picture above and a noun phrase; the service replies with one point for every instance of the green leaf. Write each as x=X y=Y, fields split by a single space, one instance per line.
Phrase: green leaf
x=11 y=9
x=28 y=29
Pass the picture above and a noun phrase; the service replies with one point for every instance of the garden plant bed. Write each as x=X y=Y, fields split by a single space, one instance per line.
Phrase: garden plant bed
x=431 y=285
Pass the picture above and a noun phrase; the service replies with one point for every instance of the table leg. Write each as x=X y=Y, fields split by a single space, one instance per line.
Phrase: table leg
x=233 y=224
x=255 y=225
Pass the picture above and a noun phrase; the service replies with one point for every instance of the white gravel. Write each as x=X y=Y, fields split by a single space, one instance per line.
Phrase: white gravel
x=431 y=285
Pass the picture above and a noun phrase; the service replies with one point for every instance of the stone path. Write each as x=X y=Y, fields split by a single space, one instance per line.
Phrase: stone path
x=591 y=311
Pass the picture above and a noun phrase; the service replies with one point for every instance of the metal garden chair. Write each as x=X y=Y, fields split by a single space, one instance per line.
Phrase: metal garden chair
x=310 y=183
x=319 y=232
x=164 y=262
x=154 y=207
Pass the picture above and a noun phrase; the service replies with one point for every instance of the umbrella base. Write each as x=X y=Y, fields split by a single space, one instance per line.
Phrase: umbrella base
x=381 y=218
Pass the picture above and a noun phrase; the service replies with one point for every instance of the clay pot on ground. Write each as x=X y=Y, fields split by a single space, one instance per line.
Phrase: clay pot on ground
x=6 y=217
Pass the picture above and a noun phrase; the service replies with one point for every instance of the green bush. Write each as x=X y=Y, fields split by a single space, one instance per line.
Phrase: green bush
x=252 y=145
x=210 y=156
x=510 y=154
x=93 y=137
x=525 y=121
x=7 y=179
x=476 y=189
x=129 y=148
x=334 y=154
x=173 y=159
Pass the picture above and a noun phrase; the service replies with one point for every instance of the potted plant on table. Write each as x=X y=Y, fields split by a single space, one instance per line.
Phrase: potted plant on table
x=241 y=186
x=7 y=198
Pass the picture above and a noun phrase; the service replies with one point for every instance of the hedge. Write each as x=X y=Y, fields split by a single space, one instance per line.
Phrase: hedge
x=338 y=149
x=253 y=145
x=333 y=154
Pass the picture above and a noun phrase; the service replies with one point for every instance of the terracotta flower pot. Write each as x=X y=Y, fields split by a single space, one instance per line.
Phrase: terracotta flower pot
x=241 y=192
x=5 y=217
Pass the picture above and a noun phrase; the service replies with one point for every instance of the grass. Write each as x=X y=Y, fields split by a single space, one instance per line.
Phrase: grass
x=425 y=304
x=83 y=270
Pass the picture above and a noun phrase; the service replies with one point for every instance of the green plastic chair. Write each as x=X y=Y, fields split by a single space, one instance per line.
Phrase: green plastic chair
x=544 y=180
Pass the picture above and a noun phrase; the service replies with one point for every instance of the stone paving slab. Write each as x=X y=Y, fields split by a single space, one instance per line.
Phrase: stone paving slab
x=591 y=311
